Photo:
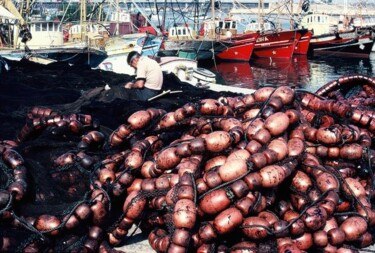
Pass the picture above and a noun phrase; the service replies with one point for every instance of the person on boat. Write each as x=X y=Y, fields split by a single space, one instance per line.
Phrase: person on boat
x=149 y=76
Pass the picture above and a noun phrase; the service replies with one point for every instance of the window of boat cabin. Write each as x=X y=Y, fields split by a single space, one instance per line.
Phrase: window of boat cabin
x=37 y=27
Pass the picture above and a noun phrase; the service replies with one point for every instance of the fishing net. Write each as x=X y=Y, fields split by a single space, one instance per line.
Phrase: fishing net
x=72 y=89
x=35 y=101
x=80 y=164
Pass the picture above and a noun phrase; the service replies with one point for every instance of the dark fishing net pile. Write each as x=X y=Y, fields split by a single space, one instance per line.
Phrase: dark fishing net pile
x=54 y=186
x=72 y=89
x=81 y=165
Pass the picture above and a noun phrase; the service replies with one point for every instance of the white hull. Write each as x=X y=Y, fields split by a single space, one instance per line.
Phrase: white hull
x=185 y=69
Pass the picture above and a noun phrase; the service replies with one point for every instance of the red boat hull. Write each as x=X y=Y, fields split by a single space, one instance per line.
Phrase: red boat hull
x=349 y=44
x=303 y=44
x=241 y=52
x=241 y=49
x=279 y=45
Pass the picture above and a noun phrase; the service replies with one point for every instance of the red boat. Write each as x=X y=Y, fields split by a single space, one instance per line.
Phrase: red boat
x=303 y=44
x=335 y=37
x=241 y=48
x=350 y=44
x=241 y=52
x=278 y=45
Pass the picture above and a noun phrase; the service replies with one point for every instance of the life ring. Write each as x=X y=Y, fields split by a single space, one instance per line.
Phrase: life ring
x=181 y=72
x=179 y=67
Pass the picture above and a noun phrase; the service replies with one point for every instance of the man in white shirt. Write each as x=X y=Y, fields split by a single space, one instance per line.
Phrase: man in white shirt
x=149 y=76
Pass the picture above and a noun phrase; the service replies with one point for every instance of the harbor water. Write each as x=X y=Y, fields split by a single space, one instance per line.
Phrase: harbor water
x=307 y=72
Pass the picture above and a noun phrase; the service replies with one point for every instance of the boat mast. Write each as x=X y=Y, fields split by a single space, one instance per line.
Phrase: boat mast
x=117 y=18
x=196 y=15
x=261 y=15
x=213 y=14
x=82 y=20
x=292 y=13
x=162 y=28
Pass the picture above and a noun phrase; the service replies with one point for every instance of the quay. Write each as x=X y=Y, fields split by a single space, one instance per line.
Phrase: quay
x=251 y=7
x=331 y=9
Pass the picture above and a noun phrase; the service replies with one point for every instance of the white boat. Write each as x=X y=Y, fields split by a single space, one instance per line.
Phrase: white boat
x=187 y=70
x=181 y=67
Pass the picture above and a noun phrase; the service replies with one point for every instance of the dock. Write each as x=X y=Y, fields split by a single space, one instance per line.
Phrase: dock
x=331 y=9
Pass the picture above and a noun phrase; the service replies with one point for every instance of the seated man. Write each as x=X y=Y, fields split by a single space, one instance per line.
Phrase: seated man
x=149 y=77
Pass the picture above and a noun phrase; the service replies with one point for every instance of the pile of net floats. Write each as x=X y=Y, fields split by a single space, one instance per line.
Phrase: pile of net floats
x=280 y=170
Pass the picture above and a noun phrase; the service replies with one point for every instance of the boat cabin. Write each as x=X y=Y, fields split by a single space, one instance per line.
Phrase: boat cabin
x=255 y=26
x=323 y=24
x=75 y=31
x=123 y=22
x=226 y=27
x=45 y=34
x=36 y=34
x=181 y=33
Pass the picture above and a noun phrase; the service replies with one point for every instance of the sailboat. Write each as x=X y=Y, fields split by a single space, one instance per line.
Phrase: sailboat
x=41 y=41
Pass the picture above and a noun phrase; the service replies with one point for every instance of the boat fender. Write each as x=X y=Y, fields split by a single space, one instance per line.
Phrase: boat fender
x=25 y=35
x=306 y=5
x=181 y=72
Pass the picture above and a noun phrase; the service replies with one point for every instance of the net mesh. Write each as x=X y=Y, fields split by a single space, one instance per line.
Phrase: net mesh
x=56 y=189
